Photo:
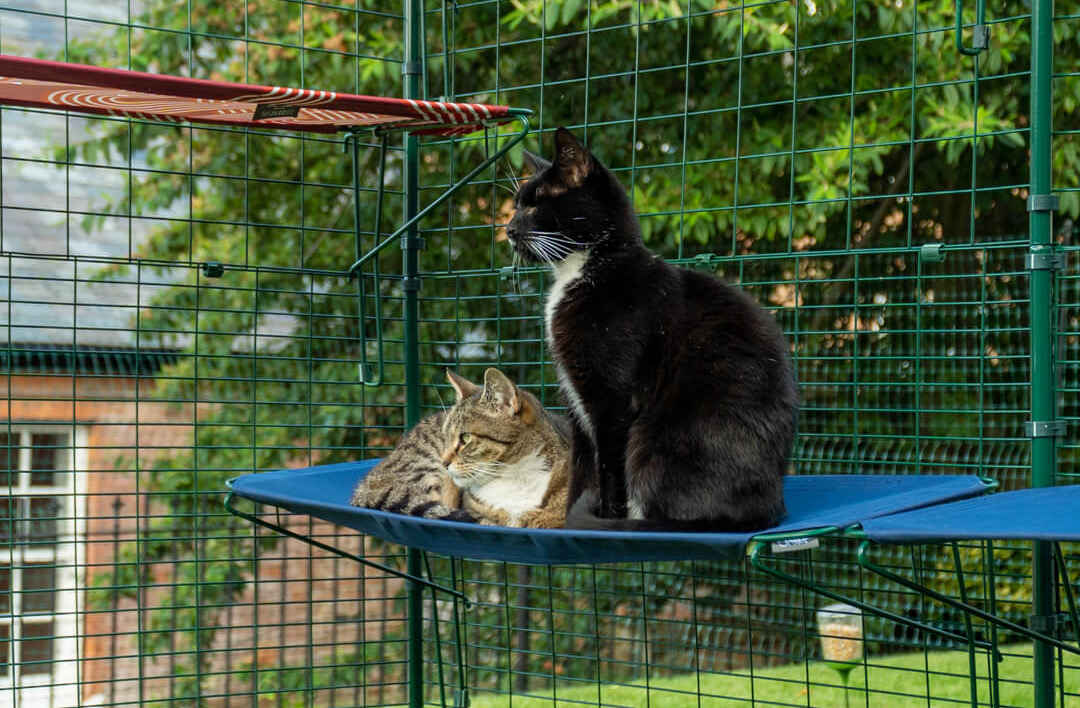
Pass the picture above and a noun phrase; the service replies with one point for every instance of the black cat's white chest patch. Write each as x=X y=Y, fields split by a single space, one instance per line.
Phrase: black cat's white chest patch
x=567 y=272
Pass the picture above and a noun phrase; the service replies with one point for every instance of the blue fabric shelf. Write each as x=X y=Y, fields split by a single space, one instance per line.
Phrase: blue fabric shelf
x=815 y=503
x=1047 y=514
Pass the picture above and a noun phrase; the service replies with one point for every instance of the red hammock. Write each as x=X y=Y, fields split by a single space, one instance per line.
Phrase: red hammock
x=38 y=83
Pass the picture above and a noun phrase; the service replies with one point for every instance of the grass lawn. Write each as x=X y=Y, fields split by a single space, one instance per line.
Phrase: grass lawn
x=933 y=680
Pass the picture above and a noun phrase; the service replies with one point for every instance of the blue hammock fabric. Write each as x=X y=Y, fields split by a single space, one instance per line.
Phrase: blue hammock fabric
x=814 y=502
x=1048 y=514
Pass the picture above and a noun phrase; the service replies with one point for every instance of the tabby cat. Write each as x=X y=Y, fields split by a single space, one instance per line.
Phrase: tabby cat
x=681 y=388
x=495 y=457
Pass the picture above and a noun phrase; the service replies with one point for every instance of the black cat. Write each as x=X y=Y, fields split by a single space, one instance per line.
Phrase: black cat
x=681 y=388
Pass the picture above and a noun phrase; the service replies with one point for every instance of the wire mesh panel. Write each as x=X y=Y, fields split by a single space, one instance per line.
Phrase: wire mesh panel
x=178 y=311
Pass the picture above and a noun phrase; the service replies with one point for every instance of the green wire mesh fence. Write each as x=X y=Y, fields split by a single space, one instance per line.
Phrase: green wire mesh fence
x=179 y=312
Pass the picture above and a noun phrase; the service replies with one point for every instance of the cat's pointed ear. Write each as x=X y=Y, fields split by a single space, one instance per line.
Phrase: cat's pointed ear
x=535 y=162
x=500 y=391
x=462 y=386
x=573 y=160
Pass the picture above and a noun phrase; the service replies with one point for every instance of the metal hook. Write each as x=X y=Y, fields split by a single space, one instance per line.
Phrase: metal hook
x=981 y=34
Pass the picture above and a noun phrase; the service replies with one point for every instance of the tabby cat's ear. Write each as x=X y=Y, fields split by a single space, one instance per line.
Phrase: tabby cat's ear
x=535 y=162
x=501 y=391
x=462 y=385
x=573 y=161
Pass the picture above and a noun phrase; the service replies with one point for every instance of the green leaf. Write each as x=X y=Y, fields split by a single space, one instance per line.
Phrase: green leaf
x=551 y=15
x=569 y=10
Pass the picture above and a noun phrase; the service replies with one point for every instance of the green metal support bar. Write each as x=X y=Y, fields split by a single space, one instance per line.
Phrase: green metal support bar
x=864 y=561
x=230 y=506
x=367 y=376
x=409 y=229
x=757 y=562
x=522 y=118
x=973 y=688
x=1043 y=366
x=412 y=74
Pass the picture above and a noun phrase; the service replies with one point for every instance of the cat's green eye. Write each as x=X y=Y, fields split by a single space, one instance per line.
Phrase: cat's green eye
x=466 y=438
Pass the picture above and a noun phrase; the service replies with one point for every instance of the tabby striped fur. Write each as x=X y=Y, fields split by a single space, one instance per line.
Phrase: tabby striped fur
x=412 y=480
x=495 y=457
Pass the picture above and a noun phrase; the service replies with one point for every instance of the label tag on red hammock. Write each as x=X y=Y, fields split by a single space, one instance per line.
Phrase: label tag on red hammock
x=269 y=110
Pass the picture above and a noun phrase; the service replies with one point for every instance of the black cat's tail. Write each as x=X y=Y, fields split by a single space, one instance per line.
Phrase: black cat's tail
x=581 y=517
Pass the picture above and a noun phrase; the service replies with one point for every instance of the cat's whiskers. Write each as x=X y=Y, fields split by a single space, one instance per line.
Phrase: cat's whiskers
x=535 y=246
x=559 y=237
x=442 y=403
x=546 y=249
x=479 y=473
x=551 y=246
x=509 y=168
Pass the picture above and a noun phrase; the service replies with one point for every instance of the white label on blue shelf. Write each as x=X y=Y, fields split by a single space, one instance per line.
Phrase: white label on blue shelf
x=794 y=544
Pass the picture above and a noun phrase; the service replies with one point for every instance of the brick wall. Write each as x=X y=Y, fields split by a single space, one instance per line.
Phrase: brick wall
x=302 y=608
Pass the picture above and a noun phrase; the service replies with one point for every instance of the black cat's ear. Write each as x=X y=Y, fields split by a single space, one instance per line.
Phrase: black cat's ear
x=572 y=159
x=462 y=386
x=500 y=391
x=535 y=162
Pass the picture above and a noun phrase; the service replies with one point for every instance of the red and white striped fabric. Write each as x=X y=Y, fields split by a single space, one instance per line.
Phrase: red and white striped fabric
x=38 y=83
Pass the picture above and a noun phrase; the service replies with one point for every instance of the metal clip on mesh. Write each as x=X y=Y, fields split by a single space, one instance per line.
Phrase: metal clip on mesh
x=980 y=39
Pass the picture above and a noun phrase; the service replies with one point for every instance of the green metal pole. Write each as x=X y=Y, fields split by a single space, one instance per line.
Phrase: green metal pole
x=411 y=71
x=1043 y=395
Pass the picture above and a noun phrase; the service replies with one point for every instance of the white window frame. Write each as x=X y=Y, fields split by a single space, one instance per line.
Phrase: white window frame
x=58 y=688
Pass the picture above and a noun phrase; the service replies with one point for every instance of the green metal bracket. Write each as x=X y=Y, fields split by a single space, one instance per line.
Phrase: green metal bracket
x=367 y=376
x=795 y=535
x=230 y=506
x=757 y=562
x=980 y=39
x=1070 y=597
x=462 y=688
x=865 y=562
x=522 y=118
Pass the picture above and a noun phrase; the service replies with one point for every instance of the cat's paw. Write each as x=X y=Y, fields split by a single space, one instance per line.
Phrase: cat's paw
x=585 y=504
